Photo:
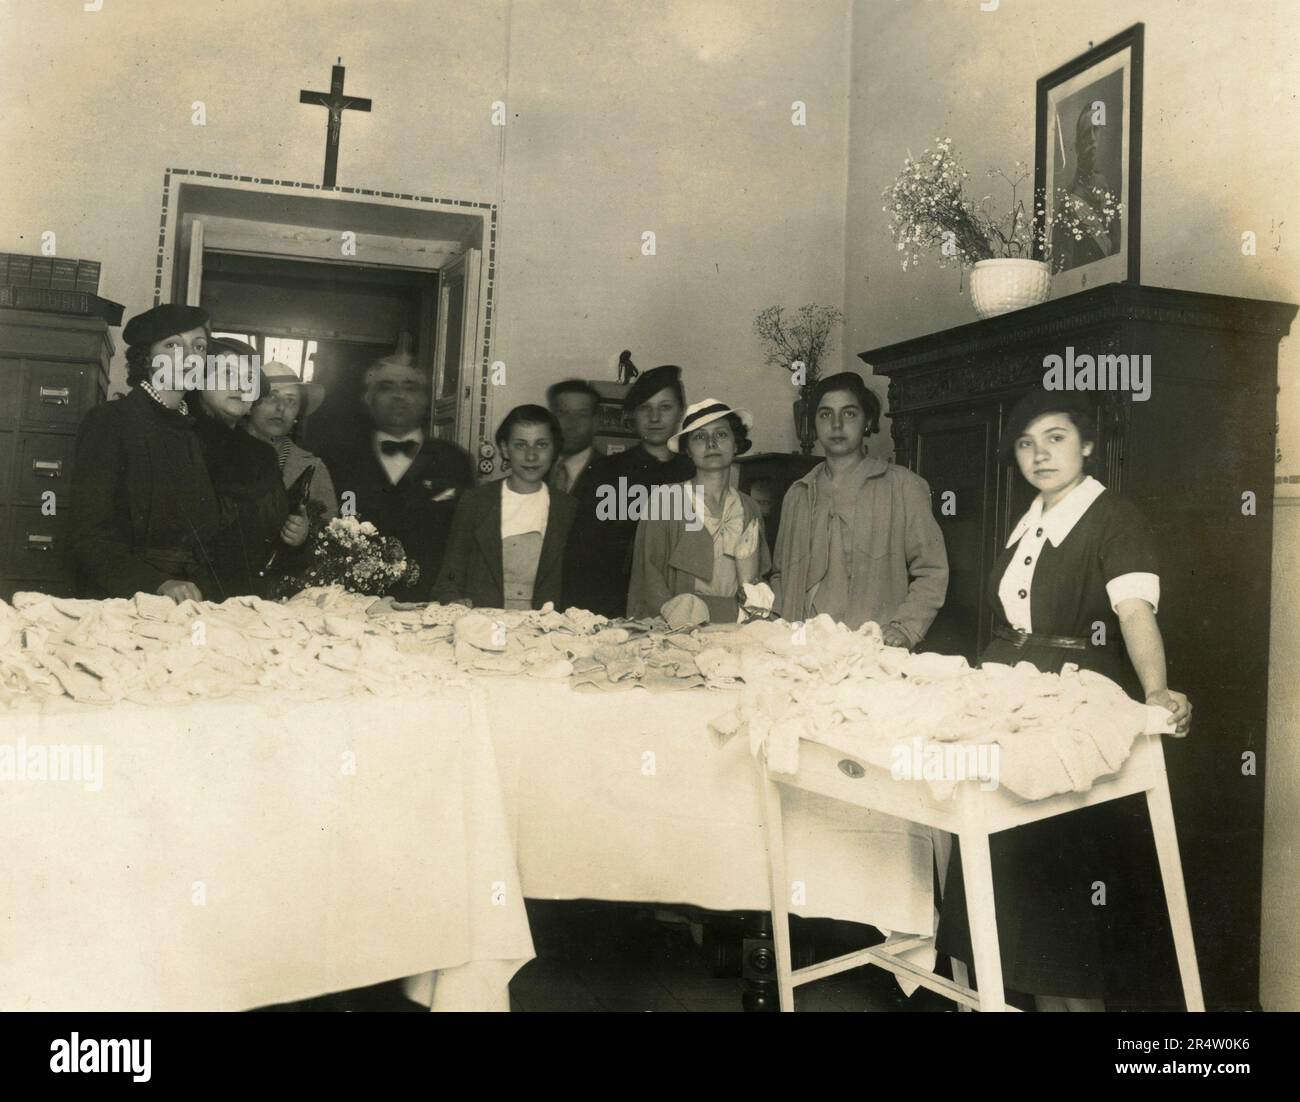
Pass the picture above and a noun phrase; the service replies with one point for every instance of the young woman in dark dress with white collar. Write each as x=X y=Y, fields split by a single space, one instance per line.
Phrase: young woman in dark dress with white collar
x=1078 y=581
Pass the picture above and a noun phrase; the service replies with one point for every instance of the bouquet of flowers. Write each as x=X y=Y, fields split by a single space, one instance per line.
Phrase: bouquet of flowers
x=929 y=208
x=351 y=553
x=802 y=340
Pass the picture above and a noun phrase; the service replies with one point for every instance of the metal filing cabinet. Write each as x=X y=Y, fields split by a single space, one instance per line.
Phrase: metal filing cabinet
x=53 y=368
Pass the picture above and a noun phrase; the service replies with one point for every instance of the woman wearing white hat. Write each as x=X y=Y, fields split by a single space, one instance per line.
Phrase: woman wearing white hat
x=274 y=419
x=715 y=546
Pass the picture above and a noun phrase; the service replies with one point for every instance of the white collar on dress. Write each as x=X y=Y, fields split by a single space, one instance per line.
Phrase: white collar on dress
x=416 y=434
x=1061 y=517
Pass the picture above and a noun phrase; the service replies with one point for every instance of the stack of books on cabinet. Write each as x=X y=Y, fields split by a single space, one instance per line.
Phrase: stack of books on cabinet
x=55 y=285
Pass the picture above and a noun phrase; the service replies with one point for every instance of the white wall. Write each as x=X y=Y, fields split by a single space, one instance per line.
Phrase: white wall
x=1221 y=145
x=623 y=117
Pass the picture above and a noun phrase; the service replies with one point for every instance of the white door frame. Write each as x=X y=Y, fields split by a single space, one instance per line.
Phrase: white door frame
x=471 y=428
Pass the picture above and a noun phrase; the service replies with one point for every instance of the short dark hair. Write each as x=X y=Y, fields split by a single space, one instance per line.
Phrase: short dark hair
x=572 y=386
x=740 y=432
x=139 y=364
x=852 y=382
x=1077 y=408
x=529 y=415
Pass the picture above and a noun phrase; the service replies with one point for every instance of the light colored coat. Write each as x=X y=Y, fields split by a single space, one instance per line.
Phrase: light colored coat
x=899 y=562
x=668 y=557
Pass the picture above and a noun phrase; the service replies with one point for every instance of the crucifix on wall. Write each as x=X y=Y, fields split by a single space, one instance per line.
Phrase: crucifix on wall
x=337 y=103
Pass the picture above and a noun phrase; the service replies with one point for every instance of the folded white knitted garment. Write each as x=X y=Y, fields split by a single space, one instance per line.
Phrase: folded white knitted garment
x=931 y=717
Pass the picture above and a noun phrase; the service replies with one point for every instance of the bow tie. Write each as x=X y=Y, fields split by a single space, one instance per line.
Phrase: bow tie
x=408 y=448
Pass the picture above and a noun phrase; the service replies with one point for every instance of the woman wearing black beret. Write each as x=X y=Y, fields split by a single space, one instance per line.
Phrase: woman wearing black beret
x=145 y=507
x=598 y=560
x=1078 y=581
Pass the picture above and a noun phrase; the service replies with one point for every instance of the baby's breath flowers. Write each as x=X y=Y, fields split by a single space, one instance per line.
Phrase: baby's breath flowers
x=929 y=208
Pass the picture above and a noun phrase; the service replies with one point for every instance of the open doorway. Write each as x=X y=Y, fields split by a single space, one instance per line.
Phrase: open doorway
x=329 y=282
x=329 y=322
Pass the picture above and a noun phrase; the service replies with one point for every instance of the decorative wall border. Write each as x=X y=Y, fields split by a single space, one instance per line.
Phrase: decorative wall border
x=491 y=250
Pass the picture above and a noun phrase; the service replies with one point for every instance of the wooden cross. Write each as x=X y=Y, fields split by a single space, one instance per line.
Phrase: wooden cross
x=337 y=103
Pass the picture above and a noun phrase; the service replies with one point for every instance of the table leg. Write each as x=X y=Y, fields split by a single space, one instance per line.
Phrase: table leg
x=977 y=874
x=1161 y=811
x=774 y=835
x=942 y=856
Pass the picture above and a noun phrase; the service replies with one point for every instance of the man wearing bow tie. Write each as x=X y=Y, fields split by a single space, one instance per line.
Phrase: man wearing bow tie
x=404 y=483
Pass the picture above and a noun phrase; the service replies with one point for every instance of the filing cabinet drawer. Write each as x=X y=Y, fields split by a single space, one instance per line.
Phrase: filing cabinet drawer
x=11 y=381
x=37 y=545
x=57 y=394
x=43 y=462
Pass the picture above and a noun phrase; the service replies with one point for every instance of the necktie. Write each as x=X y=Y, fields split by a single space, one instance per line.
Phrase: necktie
x=407 y=448
x=560 y=477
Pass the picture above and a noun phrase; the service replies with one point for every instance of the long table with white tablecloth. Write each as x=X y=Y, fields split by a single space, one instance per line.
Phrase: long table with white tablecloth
x=242 y=854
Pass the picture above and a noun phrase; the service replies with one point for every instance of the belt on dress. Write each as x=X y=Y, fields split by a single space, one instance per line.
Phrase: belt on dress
x=1027 y=639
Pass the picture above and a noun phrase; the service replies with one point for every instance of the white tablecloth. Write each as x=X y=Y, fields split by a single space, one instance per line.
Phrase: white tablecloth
x=235 y=858
x=624 y=796
x=238 y=856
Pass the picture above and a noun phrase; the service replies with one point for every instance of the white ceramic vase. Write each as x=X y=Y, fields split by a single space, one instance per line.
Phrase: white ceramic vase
x=1002 y=285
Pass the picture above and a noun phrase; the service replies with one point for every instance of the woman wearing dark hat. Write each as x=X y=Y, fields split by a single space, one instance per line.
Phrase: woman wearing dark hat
x=246 y=475
x=716 y=546
x=275 y=419
x=598 y=562
x=1077 y=582
x=146 y=509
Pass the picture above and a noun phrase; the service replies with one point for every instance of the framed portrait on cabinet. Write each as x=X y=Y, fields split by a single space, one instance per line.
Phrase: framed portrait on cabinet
x=1088 y=166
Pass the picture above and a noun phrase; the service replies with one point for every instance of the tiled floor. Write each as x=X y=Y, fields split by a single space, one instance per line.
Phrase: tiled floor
x=611 y=957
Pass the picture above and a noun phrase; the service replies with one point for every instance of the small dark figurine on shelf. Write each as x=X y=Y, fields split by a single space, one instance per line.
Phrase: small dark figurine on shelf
x=627 y=370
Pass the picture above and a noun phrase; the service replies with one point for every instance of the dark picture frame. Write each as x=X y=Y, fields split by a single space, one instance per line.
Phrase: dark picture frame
x=1080 y=107
x=615 y=426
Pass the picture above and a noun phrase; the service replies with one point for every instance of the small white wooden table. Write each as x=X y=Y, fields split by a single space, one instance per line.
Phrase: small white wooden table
x=972 y=814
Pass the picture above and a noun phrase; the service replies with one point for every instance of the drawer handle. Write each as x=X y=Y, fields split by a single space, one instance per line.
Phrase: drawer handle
x=47 y=468
x=852 y=769
x=56 y=395
x=40 y=543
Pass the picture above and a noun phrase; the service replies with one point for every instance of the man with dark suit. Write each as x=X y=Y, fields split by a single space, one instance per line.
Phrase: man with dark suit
x=573 y=402
x=391 y=474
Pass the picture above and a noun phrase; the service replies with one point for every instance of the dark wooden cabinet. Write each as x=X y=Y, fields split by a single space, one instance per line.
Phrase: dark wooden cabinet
x=1190 y=457
x=53 y=367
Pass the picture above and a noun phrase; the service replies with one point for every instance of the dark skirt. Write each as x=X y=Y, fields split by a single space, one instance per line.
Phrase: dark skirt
x=1055 y=933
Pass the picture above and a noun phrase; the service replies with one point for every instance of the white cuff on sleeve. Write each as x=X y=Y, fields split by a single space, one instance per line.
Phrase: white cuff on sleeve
x=1144 y=586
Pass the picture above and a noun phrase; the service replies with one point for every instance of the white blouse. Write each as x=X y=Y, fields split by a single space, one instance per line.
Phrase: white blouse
x=521 y=513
